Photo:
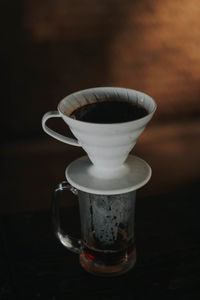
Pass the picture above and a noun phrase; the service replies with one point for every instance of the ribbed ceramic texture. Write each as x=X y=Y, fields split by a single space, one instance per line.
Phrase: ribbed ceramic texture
x=107 y=145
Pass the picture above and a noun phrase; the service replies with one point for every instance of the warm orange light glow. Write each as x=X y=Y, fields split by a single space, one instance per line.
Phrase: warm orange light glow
x=152 y=46
x=158 y=51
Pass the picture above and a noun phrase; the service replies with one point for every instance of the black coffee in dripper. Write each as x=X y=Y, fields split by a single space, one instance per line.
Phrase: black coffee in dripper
x=109 y=111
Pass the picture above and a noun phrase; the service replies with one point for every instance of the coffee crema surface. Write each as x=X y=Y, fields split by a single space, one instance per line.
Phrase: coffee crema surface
x=110 y=111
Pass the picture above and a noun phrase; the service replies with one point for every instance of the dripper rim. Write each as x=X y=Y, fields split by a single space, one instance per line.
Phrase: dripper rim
x=149 y=115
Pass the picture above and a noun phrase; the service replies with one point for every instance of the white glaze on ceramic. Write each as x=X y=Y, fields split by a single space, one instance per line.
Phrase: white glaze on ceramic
x=107 y=145
x=84 y=176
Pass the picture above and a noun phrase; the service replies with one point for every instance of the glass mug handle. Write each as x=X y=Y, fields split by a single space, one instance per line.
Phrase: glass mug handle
x=55 y=135
x=67 y=241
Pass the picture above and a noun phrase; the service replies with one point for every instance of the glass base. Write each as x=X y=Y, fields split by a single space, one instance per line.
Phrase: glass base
x=108 y=269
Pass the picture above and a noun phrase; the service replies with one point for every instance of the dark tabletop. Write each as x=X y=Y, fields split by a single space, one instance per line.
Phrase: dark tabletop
x=33 y=265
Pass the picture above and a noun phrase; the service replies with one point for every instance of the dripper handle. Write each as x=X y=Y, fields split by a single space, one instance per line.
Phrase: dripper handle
x=57 y=136
x=67 y=241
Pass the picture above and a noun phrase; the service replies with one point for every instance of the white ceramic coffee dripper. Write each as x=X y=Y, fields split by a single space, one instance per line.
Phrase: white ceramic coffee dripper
x=105 y=181
x=107 y=145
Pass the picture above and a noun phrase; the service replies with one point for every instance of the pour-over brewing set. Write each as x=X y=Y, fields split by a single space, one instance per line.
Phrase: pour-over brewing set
x=105 y=181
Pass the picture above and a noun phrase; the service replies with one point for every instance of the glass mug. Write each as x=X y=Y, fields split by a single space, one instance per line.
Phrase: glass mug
x=107 y=245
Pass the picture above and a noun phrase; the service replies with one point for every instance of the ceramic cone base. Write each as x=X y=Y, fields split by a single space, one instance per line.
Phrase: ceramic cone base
x=82 y=175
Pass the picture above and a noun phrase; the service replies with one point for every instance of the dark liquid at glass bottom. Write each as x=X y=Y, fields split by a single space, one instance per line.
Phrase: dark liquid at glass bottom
x=108 y=262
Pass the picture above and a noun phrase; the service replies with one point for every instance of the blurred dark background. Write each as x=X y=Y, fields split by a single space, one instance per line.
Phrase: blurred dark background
x=52 y=48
